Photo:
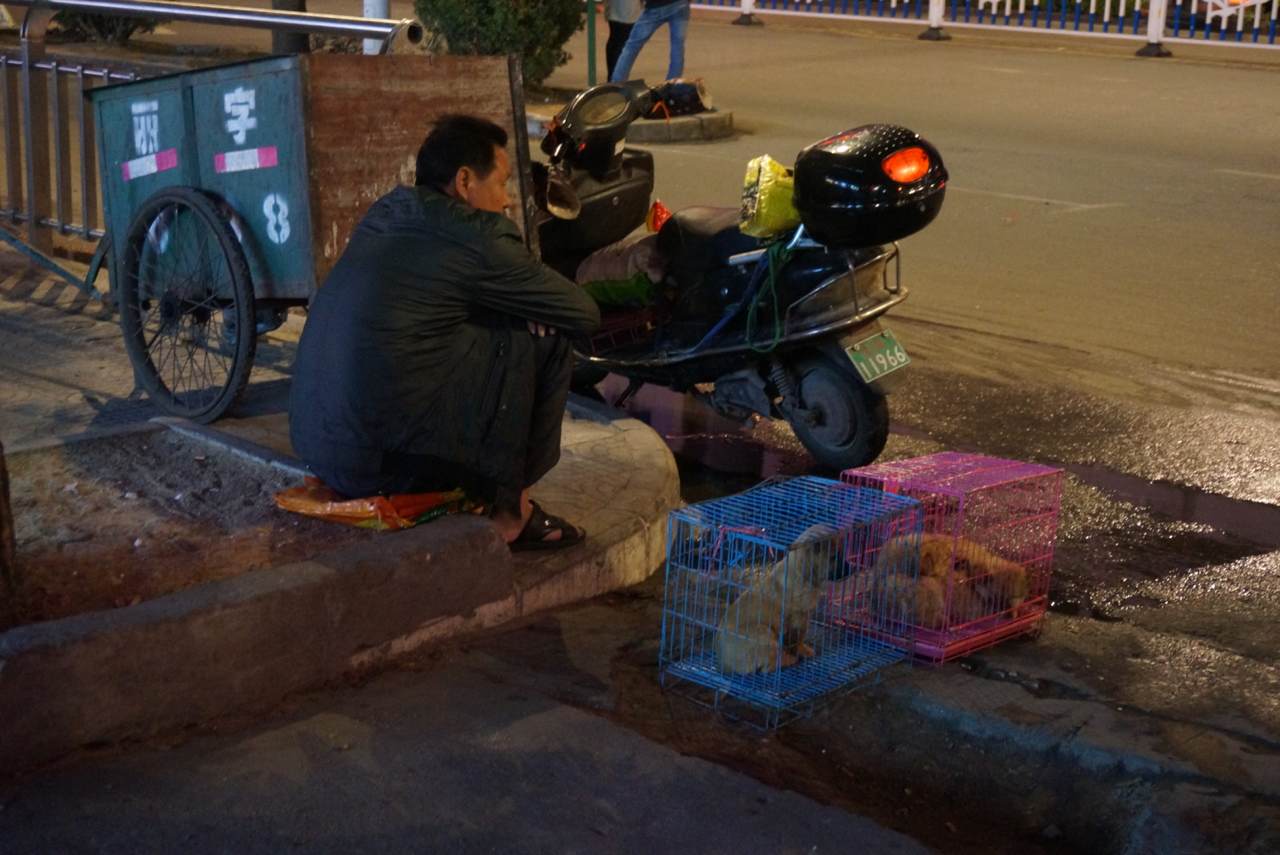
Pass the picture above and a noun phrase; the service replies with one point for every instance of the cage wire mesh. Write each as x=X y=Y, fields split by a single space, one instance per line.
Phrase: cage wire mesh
x=760 y=589
x=985 y=554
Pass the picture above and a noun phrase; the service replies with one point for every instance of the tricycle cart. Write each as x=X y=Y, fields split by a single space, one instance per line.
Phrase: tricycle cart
x=230 y=192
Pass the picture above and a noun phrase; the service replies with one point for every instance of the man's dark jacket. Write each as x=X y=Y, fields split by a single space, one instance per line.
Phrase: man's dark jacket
x=407 y=342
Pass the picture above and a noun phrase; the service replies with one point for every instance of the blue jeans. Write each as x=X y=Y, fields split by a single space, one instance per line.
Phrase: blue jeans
x=675 y=15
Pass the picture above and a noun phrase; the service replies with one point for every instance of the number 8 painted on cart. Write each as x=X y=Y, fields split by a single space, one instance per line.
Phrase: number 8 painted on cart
x=277 y=211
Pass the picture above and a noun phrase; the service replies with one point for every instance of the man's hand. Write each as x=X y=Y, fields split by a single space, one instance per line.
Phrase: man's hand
x=540 y=330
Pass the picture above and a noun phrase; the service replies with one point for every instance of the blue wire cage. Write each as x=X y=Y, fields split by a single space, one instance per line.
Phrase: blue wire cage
x=763 y=588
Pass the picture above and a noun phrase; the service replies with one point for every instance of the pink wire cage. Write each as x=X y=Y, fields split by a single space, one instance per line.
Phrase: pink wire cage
x=986 y=553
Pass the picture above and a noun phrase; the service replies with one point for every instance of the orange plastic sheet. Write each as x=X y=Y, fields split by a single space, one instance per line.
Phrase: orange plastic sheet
x=384 y=513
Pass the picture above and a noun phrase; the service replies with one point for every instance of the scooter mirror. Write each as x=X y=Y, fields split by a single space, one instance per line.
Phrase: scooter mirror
x=562 y=200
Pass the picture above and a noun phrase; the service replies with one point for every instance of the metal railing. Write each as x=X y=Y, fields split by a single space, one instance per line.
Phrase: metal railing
x=1247 y=23
x=49 y=172
x=70 y=121
x=236 y=16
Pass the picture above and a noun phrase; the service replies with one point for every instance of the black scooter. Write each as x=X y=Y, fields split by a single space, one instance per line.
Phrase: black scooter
x=786 y=328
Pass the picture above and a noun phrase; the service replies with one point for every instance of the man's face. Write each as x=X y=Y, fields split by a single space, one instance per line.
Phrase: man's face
x=490 y=192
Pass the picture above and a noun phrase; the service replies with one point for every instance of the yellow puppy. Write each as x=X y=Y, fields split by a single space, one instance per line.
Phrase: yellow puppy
x=982 y=583
x=765 y=627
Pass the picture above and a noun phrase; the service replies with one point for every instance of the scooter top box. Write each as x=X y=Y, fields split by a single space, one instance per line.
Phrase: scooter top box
x=869 y=185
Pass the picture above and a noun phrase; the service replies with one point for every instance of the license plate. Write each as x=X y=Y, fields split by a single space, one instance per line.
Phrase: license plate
x=877 y=356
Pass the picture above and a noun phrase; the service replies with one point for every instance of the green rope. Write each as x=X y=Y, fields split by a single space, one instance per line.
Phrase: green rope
x=778 y=255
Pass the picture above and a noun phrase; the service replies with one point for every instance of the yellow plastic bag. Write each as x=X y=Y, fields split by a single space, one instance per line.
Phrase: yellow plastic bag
x=767 y=205
x=385 y=513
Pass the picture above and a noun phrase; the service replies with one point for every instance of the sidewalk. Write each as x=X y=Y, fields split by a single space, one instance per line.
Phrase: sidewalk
x=65 y=380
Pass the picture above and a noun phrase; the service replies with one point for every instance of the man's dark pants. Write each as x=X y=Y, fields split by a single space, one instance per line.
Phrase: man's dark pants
x=618 y=34
x=525 y=436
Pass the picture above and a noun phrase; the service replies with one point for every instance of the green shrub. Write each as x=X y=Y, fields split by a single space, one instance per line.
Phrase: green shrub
x=84 y=27
x=535 y=29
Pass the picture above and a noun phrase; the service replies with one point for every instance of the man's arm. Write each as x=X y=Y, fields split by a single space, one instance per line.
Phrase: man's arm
x=512 y=281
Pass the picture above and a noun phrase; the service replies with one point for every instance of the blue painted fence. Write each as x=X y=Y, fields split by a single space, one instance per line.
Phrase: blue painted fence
x=1230 y=22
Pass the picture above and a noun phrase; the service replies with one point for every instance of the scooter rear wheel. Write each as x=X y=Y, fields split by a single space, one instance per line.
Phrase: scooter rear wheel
x=847 y=423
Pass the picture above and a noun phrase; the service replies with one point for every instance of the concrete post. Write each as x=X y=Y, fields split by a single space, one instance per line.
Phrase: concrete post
x=375 y=9
x=1156 y=12
x=935 y=33
x=747 y=18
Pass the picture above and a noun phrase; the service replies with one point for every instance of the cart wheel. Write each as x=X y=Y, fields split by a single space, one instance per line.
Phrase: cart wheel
x=186 y=305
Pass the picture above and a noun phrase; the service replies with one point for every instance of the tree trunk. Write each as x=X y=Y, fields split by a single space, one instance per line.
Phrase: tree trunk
x=290 y=42
x=8 y=560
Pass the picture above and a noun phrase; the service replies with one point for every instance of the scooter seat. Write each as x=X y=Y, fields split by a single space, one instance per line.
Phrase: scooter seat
x=696 y=240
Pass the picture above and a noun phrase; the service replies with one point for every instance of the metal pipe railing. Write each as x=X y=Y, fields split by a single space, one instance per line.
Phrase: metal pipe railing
x=42 y=124
x=107 y=75
x=239 y=16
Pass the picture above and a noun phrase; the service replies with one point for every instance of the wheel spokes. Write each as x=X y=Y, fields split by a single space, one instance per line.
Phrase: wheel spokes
x=186 y=307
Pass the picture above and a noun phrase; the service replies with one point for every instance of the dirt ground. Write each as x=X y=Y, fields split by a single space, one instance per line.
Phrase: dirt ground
x=113 y=522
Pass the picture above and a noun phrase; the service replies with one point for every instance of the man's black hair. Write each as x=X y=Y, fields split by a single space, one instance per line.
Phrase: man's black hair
x=458 y=140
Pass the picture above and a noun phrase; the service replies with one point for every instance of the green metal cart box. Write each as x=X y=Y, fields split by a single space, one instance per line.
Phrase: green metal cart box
x=233 y=131
x=230 y=192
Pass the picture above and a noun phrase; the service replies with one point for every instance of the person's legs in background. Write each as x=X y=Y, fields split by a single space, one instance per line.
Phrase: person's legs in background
x=679 y=23
x=676 y=15
x=643 y=29
x=618 y=33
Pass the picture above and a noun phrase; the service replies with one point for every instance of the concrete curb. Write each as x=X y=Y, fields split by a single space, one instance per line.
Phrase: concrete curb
x=1035 y=708
x=242 y=644
x=46 y=443
x=234 y=445
x=700 y=127
x=714 y=125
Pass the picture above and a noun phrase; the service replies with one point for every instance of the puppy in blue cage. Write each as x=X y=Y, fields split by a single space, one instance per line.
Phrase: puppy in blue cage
x=766 y=627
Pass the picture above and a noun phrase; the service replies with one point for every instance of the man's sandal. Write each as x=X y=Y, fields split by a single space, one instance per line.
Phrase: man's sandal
x=540 y=525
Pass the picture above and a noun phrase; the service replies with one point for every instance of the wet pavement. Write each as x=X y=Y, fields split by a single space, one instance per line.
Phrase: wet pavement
x=1157 y=674
x=1156 y=486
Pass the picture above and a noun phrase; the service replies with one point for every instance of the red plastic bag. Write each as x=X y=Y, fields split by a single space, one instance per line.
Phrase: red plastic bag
x=384 y=513
x=658 y=214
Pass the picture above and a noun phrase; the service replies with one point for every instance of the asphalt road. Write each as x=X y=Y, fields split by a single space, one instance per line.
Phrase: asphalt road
x=1098 y=201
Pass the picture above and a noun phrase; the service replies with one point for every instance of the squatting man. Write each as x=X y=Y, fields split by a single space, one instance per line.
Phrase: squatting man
x=435 y=354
